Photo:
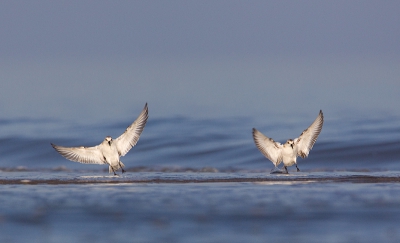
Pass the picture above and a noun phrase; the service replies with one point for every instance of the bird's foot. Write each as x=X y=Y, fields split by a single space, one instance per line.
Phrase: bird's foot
x=287 y=172
x=276 y=170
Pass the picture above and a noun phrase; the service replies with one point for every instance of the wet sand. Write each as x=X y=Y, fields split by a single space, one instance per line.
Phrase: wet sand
x=34 y=178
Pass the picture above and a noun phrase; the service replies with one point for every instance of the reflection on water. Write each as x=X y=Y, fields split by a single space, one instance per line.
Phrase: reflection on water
x=272 y=183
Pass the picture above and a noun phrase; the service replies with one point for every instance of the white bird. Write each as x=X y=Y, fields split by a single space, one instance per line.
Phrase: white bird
x=289 y=151
x=109 y=151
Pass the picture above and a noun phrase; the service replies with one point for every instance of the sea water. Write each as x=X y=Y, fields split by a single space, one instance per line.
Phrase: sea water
x=194 y=180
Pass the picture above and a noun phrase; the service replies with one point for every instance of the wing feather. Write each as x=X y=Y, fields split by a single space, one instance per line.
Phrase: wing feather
x=268 y=147
x=131 y=135
x=308 y=137
x=85 y=155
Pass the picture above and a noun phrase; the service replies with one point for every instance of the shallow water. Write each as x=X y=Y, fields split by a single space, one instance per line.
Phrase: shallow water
x=201 y=181
x=200 y=207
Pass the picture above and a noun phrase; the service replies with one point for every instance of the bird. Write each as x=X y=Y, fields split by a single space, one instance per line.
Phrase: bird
x=110 y=150
x=292 y=148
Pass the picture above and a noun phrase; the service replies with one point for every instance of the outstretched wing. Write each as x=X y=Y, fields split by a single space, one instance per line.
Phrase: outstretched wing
x=268 y=147
x=308 y=137
x=86 y=155
x=131 y=135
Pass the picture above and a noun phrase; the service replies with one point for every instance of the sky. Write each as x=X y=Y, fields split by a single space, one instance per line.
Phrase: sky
x=90 y=60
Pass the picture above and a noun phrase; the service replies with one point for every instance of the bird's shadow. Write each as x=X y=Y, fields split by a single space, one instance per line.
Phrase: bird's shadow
x=278 y=171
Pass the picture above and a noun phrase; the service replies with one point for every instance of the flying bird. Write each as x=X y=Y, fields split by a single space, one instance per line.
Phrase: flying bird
x=110 y=150
x=289 y=151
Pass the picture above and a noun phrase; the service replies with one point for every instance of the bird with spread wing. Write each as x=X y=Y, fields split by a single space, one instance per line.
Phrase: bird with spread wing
x=110 y=150
x=288 y=152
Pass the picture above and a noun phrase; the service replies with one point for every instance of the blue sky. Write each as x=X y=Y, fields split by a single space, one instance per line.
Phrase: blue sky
x=99 y=59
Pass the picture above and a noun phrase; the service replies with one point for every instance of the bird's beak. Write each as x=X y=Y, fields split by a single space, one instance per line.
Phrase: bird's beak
x=109 y=142
x=291 y=145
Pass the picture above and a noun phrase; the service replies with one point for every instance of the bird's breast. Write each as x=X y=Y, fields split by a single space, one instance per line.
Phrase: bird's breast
x=111 y=154
x=289 y=155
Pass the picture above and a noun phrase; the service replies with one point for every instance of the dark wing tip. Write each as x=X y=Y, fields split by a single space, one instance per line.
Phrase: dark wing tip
x=322 y=117
x=254 y=133
x=146 y=111
x=56 y=147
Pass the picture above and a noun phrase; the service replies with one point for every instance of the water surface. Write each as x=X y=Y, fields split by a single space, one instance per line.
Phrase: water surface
x=194 y=180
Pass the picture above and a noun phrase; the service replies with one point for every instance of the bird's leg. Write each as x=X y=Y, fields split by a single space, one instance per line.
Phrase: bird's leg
x=297 y=168
x=113 y=170
x=109 y=166
x=121 y=167
x=286 y=169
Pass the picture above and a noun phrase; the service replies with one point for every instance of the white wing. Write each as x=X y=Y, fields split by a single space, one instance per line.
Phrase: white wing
x=86 y=155
x=131 y=135
x=268 y=147
x=308 y=137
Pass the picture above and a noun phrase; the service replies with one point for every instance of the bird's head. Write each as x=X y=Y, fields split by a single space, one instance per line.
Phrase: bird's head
x=109 y=140
x=290 y=142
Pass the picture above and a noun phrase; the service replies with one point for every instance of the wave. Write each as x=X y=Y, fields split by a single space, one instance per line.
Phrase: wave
x=187 y=145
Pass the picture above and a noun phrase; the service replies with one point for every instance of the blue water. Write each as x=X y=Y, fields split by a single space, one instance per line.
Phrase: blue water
x=180 y=144
x=192 y=180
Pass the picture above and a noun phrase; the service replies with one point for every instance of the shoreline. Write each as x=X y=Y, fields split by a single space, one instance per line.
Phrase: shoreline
x=36 y=178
